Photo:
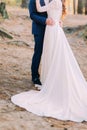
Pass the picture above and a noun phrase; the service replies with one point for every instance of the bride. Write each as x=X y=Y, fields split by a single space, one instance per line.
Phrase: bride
x=64 y=90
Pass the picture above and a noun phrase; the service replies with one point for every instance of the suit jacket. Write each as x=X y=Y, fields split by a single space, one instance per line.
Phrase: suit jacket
x=38 y=18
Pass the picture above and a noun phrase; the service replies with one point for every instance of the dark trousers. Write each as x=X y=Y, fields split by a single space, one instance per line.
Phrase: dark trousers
x=37 y=55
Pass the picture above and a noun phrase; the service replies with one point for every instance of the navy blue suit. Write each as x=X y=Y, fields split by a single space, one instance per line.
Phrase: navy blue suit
x=38 y=29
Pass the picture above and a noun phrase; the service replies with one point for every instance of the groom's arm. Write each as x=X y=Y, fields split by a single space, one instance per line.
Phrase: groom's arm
x=34 y=15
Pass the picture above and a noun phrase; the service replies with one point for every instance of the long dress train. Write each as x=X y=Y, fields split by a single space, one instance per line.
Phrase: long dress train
x=64 y=90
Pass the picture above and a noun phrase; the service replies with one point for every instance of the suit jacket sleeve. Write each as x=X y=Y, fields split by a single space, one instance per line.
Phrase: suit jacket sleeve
x=34 y=15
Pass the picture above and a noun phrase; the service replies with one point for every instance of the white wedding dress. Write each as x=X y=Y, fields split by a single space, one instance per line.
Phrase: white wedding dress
x=64 y=91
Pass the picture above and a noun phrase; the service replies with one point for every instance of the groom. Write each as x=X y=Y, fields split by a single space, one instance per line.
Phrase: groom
x=39 y=22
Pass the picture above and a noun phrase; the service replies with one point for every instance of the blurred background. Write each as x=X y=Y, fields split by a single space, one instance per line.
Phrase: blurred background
x=73 y=6
x=77 y=6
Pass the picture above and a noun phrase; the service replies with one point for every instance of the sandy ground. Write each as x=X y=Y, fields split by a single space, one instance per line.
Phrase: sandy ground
x=15 y=76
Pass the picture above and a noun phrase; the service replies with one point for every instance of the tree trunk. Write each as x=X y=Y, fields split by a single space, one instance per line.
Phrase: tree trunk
x=3 y=10
x=86 y=7
x=80 y=7
x=25 y=3
x=75 y=5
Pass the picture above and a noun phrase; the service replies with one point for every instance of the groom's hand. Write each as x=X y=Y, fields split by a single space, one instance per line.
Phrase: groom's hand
x=50 y=21
x=61 y=23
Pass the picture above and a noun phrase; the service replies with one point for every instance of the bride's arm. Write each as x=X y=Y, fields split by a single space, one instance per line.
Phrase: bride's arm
x=45 y=7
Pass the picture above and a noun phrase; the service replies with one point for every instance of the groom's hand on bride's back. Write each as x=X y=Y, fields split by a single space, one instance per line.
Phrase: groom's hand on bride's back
x=50 y=21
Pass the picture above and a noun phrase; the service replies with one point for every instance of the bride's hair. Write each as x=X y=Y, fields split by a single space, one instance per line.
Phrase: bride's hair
x=63 y=8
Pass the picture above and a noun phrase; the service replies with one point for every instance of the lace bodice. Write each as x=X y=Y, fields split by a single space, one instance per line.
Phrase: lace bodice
x=54 y=8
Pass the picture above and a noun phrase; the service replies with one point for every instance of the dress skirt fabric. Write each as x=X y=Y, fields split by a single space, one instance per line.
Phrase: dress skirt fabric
x=64 y=91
